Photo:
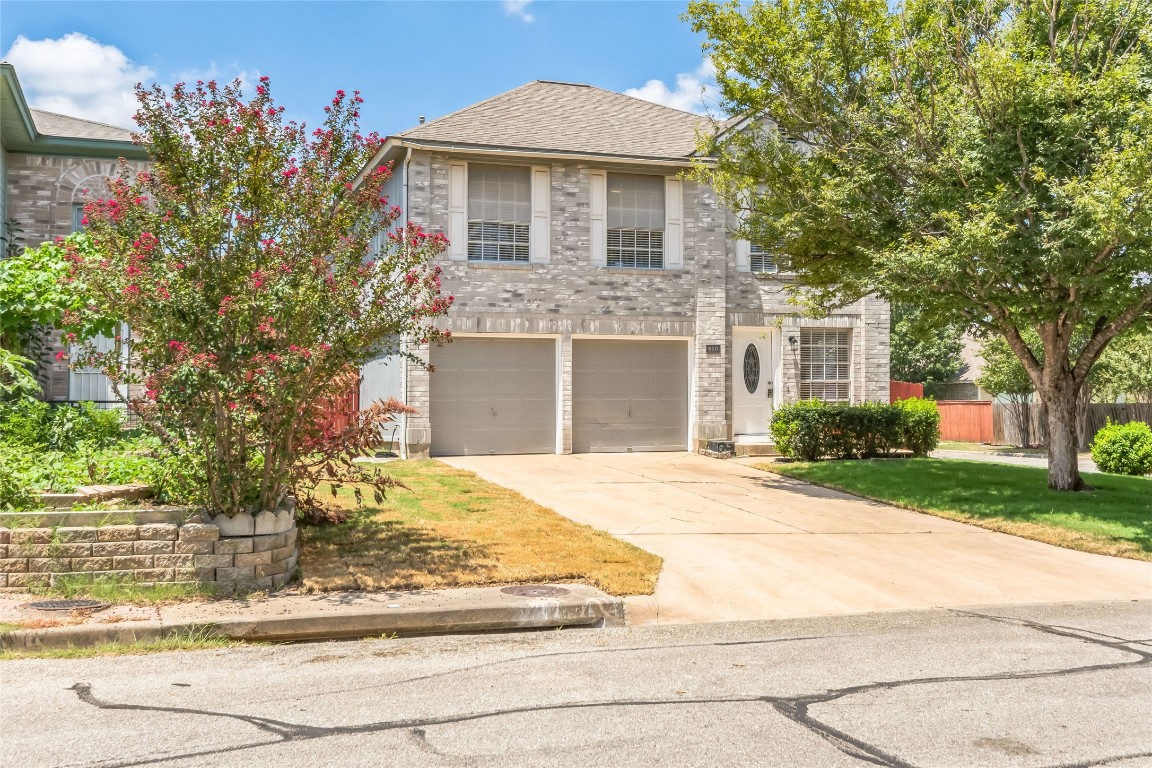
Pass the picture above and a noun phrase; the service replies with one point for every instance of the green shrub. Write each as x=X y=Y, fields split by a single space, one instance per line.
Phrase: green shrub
x=811 y=430
x=16 y=488
x=1124 y=449
x=37 y=425
x=919 y=425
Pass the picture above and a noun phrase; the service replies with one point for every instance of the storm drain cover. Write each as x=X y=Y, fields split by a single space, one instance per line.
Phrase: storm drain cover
x=530 y=591
x=67 y=605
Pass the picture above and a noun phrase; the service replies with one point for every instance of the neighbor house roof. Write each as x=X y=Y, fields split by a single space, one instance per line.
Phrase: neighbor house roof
x=52 y=124
x=546 y=116
x=32 y=130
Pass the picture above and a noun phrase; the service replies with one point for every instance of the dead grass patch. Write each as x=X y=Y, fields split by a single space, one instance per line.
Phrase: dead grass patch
x=453 y=529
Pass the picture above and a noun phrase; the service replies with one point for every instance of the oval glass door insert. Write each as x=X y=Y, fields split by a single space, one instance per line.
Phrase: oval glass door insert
x=751 y=369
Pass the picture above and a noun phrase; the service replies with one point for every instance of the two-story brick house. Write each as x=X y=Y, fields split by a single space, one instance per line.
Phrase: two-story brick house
x=49 y=163
x=602 y=303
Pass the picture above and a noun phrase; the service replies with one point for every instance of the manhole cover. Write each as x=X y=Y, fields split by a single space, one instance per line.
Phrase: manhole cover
x=530 y=591
x=68 y=605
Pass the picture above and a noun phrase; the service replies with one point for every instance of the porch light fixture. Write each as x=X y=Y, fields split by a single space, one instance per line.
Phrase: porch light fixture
x=793 y=342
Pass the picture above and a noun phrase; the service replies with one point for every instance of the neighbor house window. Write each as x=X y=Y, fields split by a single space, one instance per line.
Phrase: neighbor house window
x=824 y=364
x=499 y=212
x=635 y=221
x=78 y=217
x=761 y=259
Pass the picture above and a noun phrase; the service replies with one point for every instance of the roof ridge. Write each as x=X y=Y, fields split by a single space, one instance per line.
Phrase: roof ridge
x=468 y=108
x=652 y=103
x=80 y=119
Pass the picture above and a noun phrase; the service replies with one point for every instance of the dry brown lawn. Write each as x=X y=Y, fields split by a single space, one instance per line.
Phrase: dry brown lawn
x=453 y=529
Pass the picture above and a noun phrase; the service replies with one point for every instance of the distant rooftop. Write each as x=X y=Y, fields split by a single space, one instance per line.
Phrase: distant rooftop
x=545 y=115
x=53 y=124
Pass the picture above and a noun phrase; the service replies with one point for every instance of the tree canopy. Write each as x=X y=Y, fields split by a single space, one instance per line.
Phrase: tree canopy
x=987 y=163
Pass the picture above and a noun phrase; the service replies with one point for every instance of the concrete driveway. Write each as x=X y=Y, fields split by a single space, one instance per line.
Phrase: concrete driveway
x=741 y=544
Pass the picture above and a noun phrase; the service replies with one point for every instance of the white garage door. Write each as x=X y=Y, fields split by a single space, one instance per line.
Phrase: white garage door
x=493 y=396
x=629 y=395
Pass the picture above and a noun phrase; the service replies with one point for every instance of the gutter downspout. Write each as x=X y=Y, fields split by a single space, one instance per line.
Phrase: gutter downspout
x=404 y=342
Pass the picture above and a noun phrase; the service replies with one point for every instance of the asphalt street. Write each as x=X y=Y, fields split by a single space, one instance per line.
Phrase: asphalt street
x=1049 y=685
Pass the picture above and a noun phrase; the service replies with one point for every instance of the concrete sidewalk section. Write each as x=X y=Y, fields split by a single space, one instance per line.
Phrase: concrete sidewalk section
x=342 y=615
x=741 y=544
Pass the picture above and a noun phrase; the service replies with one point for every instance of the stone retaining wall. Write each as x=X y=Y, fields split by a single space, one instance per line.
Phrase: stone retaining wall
x=232 y=553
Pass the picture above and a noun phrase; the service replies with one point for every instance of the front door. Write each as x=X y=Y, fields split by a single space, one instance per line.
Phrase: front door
x=753 y=379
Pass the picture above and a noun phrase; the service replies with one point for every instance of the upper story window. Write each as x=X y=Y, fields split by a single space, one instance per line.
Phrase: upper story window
x=499 y=212
x=761 y=259
x=825 y=373
x=635 y=221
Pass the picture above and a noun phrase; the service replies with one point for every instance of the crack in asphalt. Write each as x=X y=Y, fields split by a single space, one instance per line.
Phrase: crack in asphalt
x=793 y=708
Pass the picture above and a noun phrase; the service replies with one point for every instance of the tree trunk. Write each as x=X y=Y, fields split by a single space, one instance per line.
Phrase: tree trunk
x=1063 y=466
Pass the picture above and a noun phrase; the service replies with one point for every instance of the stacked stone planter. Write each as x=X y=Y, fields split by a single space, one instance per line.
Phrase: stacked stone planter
x=231 y=553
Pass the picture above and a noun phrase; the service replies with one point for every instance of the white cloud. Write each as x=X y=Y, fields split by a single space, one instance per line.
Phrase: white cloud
x=78 y=76
x=693 y=92
x=519 y=10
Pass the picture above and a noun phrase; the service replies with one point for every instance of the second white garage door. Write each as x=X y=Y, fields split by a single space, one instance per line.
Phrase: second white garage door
x=629 y=395
x=493 y=396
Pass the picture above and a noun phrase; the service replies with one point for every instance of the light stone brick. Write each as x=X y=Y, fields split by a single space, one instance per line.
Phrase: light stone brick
x=213 y=561
x=237 y=525
x=132 y=562
x=73 y=535
x=235 y=574
x=232 y=546
x=254 y=558
x=199 y=532
x=28 y=579
x=153 y=574
x=261 y=543
x=282 y=553
x=48 y=565
x=30 y=536
x=118 y=533
x=159 y=532
x=174 y=561
x=193 y=547
x=68 y=550
x=70 y=577
x=92 y=564
x=265 y=522
x=5 y=535
x=272 y=569
x=14 y=565
x=152 y=547
x=112 y=548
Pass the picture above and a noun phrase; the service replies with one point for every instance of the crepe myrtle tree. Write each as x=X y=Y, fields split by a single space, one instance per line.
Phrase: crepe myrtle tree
x=986 y=163
x=257 y=265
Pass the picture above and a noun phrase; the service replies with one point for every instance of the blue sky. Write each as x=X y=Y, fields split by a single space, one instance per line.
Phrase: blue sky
x=407 y=58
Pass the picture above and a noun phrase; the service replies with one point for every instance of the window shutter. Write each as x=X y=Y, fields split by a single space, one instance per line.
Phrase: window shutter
x=674 y=223
x=541 y=214
x=598 y=215
x=458 y=211
x=743 y=250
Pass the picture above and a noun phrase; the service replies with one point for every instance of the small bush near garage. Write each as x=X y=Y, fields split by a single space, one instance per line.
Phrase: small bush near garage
x=1124 y=449
x=812 y=430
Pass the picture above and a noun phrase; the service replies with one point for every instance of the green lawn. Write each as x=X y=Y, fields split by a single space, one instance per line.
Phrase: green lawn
x=1113 y=519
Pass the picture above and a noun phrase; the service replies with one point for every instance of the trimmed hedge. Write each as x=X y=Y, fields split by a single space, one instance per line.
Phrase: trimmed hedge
x=811 y=430
x=1124 y=449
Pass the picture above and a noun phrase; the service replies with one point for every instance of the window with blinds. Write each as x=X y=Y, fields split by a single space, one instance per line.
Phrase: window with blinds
x=635 y=221
x=761 y=260
x=824 y=364
x=499 y=212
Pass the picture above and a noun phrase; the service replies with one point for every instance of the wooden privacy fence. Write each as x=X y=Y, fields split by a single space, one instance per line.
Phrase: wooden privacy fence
x=1006 y=425
x=965 y=420
x=902 y=390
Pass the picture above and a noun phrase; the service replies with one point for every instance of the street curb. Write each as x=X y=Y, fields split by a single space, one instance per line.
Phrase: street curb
x=482 y=610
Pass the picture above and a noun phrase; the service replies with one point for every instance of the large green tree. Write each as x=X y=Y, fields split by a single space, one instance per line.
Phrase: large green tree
x=986 y=162
x=924 y=354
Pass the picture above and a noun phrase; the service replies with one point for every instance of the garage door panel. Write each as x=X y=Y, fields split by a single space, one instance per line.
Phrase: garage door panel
x=493 y=396
x=629 y=395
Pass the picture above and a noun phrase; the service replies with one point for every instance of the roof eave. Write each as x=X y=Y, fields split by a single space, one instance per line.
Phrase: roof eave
x=537 y=152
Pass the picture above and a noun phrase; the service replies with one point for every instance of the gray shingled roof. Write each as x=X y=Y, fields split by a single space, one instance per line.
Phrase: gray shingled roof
x=567 y=117
x=52 y=124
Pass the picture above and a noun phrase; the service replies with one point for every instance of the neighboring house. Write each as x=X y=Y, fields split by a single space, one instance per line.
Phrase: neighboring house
x=49 y=163
x=602 y=303
x=964 y=386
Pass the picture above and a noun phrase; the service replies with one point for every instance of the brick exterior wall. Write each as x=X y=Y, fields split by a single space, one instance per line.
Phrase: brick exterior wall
x=569 y=296
x=40 y=192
